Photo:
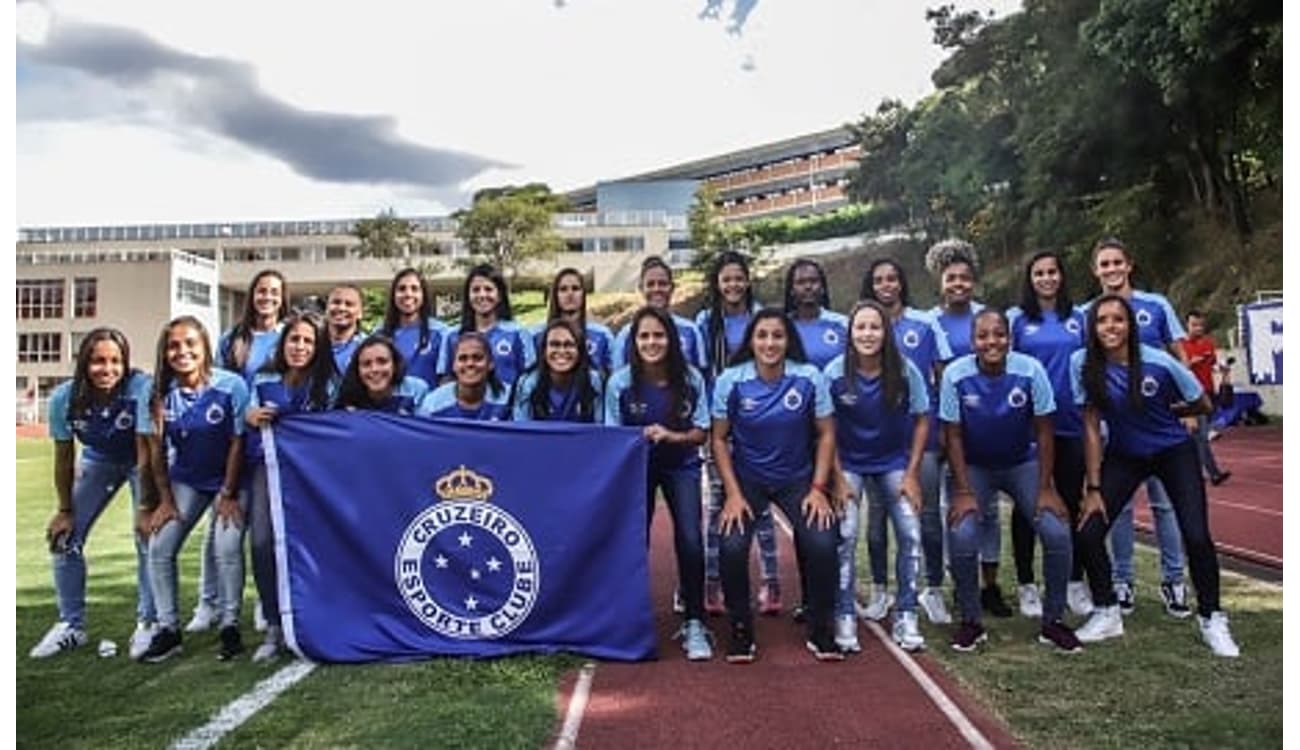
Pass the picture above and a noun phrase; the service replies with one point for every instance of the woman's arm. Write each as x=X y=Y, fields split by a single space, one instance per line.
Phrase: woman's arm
x=817 y=503
x=228 y=496
x=735 y=509
x=1093 y=503
x=963 y=499
x=64 y=475
x=1048 y=499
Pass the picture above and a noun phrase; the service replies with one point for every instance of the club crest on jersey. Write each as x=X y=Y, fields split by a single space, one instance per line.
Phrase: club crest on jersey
x=1149 y=386
x=592 y=346
x=503 y=348
x=125 y=420
x=829 y=336
x=792 y=400
x=911 y=339
x=1143 y=318
x=1017 y=398
x=214 y=414
x=465 y=567
x=1072 y=325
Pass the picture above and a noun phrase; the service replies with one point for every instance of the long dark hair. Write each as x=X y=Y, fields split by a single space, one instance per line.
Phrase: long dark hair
x=553 y=307
x=790 y=304
x=320 y=370
x=83 y=393
x=892 y=377
x=675 y=362
x=353 y=392
x=868 y=285
x=163 y=373
x=1029 y=298
x=493 y=382
x=539 y=401
x=793 y=346
x=1094 y=361
x=503 y=311
x=234 y=352
x=393 y=317
x=717 y=332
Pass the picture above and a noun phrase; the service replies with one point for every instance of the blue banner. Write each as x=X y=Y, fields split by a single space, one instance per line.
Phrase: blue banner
x=1261 y=329
x=400 y=538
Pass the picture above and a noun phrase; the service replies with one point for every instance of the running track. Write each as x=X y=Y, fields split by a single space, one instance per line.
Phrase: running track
x=784 y=699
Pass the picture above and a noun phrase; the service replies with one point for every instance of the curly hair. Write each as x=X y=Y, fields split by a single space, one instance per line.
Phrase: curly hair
x=947 y=252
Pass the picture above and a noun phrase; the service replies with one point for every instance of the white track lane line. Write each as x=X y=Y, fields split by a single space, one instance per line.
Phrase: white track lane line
x=244 y=707
x=568 y=739
x=950 y=710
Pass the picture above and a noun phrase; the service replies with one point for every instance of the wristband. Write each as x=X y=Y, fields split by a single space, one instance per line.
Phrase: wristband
x=1093 y=488
x=225 y=492
x=820 y=487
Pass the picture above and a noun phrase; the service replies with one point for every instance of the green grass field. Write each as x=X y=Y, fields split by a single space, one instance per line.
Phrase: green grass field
x=1156 y=687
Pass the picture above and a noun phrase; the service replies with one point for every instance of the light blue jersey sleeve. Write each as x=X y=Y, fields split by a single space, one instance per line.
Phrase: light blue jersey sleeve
x=722 y=391
x=1184 y=380
x=57 y=415
x=835 y=368
x=223 y=342
x=949 y=410
x=943 y=349
x=1013 y=315
x=520 y=409
x=1173 y=326
x=414 y=387
x=822 y=406
x=618 y=382
x=618 y=349
x=529 y=347
x=1044 y=398
x=142 y=391
x=700 y=414
x=1076 y=377
x=238 y=390
x=598 y=416
x=918 y=400
x=701 y=351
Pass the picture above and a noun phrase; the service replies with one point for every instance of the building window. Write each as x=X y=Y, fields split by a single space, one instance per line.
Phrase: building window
x=40 y=298
x=39 y=347
x=193 y=292
x=85 y=297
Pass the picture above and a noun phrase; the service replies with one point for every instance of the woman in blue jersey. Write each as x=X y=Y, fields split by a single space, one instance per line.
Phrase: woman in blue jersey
x=663 y=395
x=198 y=411
x=773 y=438
x=567 y=299
x=485 y=307
x=996 y=406
x=1048 y=327
x=881 y=422
x=563 y=387
x=476 y=393
x=821 y=330
x=299 y=378
x=1157 y=325
x=105 y=406
x=1142 y=393
x=728 y=308
x=410 y=323
x=656 y=287
x=919 y=338
x=376 y=380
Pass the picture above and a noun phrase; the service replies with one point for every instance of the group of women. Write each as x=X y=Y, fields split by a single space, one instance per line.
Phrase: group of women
x=881 y=417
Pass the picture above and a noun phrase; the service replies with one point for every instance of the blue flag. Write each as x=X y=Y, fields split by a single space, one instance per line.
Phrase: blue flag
x=401 y=538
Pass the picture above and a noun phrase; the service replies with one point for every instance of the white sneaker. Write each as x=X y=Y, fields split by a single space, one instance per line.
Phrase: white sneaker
x=846 y=633
x=205 y=616
x=1079 y=598
x=906 y=634
x=1105 y=622
x=259 y=619
x=61 y=637
x=270 y=646
x=1031 y=605
x=141 y=639
x=936 y=609
x=1215 y=633
x=878 y=605
x=695 y=641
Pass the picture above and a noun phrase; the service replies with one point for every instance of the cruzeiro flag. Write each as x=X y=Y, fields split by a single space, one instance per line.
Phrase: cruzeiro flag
x=399 y=538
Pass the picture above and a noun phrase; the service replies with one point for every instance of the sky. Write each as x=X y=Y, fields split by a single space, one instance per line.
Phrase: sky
x=143 y=112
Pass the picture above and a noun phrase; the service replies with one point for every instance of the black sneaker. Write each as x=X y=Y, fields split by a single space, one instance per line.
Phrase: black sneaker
x=741 y=649
x=232 y=644
x=1124 y=597
x=1062 y=637
x=968 y=636
x=1221 y=478
x=821 y=642
x=800 y=613
x=166 y=643
x=1174 y=595
x=991 y=601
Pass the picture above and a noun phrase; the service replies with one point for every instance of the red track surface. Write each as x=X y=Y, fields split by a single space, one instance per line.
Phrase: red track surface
x=784 y=699
x=1245 y=511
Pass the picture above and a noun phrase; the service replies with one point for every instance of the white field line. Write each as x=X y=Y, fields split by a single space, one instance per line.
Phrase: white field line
x=568 y=739
x=1239 y=506
x=950 y=710
x=242 y=708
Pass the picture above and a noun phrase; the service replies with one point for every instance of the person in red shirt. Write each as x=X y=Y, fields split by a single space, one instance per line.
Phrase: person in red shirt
x=1203 y=360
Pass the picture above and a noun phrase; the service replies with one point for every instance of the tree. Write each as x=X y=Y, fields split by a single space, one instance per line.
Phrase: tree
x=508 y=227
x=711 y=233
x=389 y=236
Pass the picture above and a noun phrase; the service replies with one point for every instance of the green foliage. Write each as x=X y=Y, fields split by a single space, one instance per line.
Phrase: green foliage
x=390 y=236
x=712 y=234
x=508 y=227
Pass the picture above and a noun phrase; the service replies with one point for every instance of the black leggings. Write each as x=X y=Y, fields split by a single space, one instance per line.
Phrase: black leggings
x=1067 y=474
x=1179 y=469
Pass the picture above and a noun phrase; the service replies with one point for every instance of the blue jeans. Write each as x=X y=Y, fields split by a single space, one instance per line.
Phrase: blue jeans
x=228 y=545
x=816 y=552
x=95 y=485
x=1167 y=536
x=681 y=489
x=262 y=543
x=1021 y=483
x=763 y=529
x=1211 y=466
x=208 y=564
x=882 y=496
x=933 y=509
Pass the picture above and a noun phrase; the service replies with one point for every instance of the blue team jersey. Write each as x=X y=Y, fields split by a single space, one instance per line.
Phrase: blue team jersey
x=198 y=428
x=107 y=433
x=599 y=344
x=421 y=362
x=822 y=337
x=564 y=402
x=1157 y=322
x=261 y=350
x=871 y=437
x=957 y=328
x=996 y=412
x=344 y=350
x=512 y=350
x=733 y=330
x=1143 y=432
x=442 y=403
x=772 y=424
x=650 y=404
x=925 y=345
x=270 y=389
x=687 y=333
x=1052 y=341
